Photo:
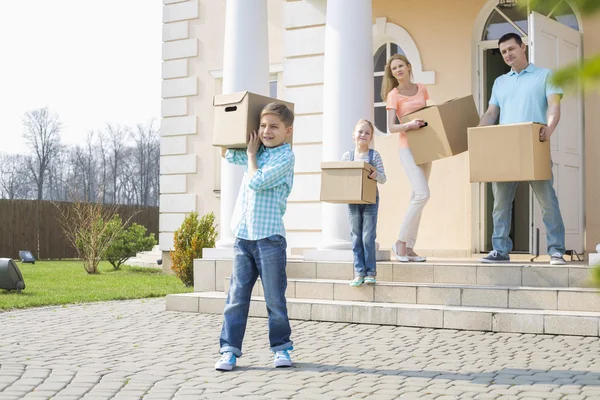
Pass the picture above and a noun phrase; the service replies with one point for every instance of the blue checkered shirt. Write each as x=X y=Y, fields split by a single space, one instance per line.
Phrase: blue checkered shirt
x=264 y=196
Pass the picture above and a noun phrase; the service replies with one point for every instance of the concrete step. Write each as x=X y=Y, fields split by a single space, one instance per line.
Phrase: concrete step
x=509 y=297
x=136 y=262
x=148 y=256
x=415 y=315
x=210 y=274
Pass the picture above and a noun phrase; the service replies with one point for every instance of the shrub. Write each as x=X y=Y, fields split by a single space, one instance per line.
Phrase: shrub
x=192 y=236
x=128 y=242
x=85 y=225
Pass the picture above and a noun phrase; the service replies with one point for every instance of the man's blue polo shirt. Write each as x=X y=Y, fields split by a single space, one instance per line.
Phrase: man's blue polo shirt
x=522 y=97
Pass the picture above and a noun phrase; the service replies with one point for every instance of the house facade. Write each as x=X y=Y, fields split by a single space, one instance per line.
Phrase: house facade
x=327 y=57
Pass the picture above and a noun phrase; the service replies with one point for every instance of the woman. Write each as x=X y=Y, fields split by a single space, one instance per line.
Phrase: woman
x=404 y=97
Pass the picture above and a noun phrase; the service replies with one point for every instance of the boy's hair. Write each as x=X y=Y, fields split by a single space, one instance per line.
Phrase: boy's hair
x=365 y=121
x=281 y=110
x=508 y=36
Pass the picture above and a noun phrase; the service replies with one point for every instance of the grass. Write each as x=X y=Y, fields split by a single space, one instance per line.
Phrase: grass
x=66 y=282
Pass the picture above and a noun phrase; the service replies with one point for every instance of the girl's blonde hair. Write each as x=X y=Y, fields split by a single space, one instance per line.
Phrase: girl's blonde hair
x=389 y=82
x=364 y=121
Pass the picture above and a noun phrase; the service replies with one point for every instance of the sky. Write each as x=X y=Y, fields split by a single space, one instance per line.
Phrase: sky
x=91 y=62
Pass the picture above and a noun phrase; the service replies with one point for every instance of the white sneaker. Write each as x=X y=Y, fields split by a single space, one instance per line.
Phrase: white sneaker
x=282 y=359
x=226 y=362
x=557 y=259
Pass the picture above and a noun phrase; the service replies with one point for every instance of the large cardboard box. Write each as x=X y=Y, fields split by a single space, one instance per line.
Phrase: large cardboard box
x=446 y=132
x=508 y=153
x=236 y=115
x=347 y=182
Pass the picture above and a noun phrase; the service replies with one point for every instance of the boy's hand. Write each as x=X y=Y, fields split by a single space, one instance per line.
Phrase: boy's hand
x=253 y=144
x=373 y=175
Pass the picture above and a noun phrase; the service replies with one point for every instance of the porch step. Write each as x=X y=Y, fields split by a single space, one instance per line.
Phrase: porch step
x=413 y=315
x=210 y=274
x=509 y=297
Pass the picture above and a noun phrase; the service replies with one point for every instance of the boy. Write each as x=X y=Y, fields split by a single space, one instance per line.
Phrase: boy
x=260 y=245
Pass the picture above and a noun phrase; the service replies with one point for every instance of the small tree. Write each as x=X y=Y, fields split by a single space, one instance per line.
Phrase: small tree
x=189 y=240
x=128 y=243
x=86 y=227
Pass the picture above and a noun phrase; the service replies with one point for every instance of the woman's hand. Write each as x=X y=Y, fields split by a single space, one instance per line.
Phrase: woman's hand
x=373 y=175
x=415 y=124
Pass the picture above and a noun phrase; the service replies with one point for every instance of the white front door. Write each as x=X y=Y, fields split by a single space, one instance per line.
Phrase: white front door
x=553 y=45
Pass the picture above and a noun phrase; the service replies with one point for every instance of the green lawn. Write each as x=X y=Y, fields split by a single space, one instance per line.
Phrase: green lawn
x=66 y=282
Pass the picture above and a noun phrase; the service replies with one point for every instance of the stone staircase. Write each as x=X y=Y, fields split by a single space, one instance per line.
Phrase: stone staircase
x=519 y=297
x=146 y=259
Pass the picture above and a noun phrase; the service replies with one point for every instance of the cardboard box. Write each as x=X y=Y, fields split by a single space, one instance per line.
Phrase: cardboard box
x=348 y=182
x=446 y=132
x=236 y=115
x=508 y=153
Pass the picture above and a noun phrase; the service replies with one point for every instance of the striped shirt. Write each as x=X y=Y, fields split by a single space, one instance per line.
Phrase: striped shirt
x=264 y=196
x=377 y=163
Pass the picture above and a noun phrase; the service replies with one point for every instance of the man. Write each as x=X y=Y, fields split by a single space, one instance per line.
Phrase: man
x=524 y=95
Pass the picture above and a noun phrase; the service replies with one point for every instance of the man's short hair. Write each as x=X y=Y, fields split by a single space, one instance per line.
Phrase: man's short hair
x=281 y=110
x=508 y=36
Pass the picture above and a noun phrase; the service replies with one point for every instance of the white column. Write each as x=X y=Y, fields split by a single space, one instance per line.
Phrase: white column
x=348 y=97
x=594 y=258
x=245 y=67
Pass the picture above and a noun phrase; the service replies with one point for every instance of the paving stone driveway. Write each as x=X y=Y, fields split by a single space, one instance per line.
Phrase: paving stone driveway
x=136 y=349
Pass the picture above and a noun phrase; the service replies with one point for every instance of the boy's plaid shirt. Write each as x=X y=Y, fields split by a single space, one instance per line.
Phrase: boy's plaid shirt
x=264 y=196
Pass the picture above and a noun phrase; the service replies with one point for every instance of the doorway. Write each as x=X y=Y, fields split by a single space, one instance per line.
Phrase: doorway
x=493 y=67
x=558 y=32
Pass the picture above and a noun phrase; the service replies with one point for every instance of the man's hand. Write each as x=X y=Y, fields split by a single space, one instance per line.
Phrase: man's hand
x=253 y=144
x=545 y=133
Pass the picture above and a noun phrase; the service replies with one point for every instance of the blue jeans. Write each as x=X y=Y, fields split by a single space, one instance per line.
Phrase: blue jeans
x=363 y=229
x=504 y=194
x=253 y=258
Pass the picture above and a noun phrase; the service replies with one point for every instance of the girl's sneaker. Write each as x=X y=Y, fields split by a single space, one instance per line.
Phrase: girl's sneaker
x=358 y=280
x=282 y=359
x=370 y=280
x=227 y=362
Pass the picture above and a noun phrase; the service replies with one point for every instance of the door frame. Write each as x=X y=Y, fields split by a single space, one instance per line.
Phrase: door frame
x=479 y=196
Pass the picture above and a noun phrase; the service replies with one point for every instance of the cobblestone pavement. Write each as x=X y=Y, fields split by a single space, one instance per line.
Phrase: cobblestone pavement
x=136 y=349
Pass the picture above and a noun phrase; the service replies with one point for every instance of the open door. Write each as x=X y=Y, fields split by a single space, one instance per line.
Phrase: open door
x=553 y=45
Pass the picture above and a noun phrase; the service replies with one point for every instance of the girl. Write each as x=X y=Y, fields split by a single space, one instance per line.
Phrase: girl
x=404 y=97
x=363 y=217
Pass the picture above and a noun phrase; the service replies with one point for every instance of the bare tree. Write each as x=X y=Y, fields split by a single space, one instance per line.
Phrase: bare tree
x=13 y=177
x=102 y=148
x=59 y=174
x=117 y=136
x=42 y=132
x=145 y=151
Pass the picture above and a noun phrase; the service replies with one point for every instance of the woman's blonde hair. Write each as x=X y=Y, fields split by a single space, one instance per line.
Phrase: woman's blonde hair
x=389 y=82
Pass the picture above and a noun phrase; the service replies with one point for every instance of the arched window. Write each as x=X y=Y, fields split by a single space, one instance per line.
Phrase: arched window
x=507 y=17
x=389 y=39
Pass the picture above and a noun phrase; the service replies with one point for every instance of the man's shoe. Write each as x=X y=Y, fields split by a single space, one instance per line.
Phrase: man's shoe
x=557 y=259
x=495 y=257
x=282 y=359
x=227 y=362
